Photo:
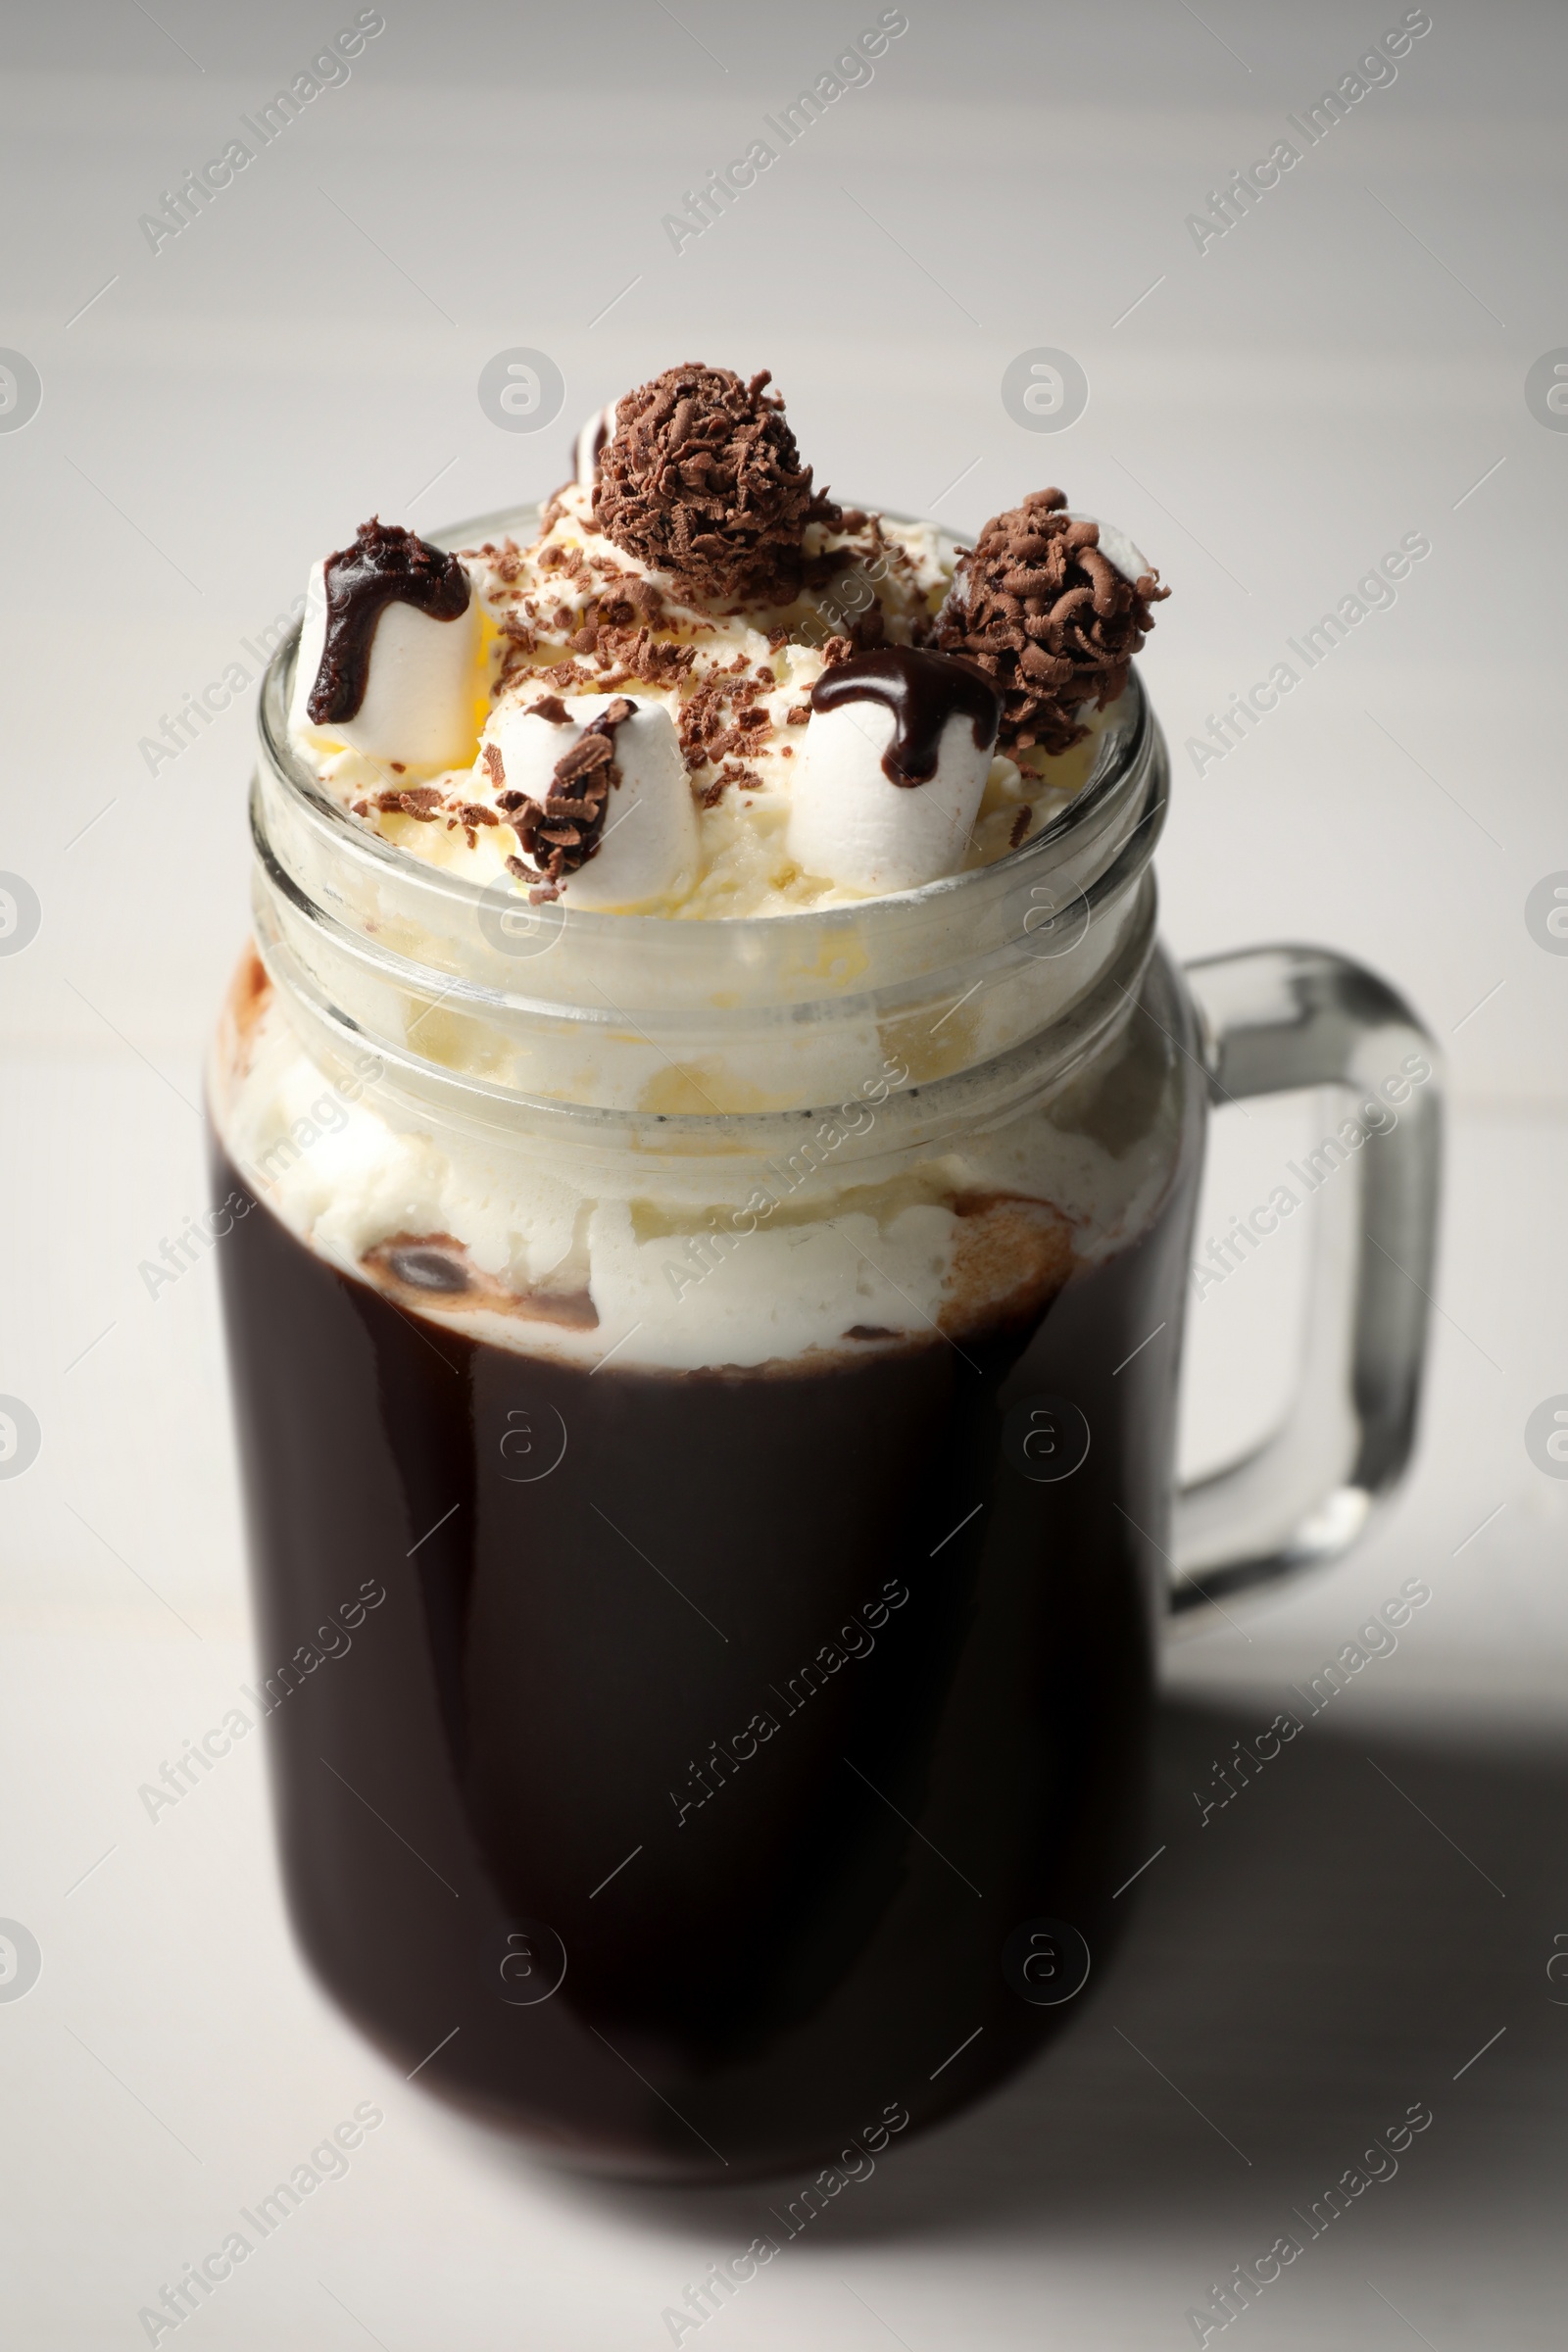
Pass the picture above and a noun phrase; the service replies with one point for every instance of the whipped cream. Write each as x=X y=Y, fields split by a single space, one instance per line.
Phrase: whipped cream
x=797 y=1255
x=566 y=617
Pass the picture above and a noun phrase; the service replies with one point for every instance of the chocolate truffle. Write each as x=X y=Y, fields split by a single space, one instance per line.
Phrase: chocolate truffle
x=702 y=479
x=1044 y=610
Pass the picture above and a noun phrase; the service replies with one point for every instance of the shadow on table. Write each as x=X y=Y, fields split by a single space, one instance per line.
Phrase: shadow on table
x=1333 y=1946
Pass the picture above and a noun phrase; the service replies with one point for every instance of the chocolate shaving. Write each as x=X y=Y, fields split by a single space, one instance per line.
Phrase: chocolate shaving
x=420 y=801
x=562 y=832
x=1021 y=826
x=525 y=873
x=721 y=719
x=702 y=479
x=637 y=658
x=732 y=772
x=1057 y=625
x=590 y=751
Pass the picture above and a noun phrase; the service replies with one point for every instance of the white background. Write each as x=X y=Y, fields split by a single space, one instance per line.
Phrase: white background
x=1343 y=366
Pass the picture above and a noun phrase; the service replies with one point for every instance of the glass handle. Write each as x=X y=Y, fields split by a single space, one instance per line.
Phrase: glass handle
x=1277 y=1020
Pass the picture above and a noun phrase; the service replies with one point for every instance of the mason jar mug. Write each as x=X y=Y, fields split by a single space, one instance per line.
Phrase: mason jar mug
x=705 y=1400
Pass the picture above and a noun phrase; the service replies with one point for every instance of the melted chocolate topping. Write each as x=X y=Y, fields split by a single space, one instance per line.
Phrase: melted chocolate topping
x=924 y=691
x=428 y=1270
x=385 y=566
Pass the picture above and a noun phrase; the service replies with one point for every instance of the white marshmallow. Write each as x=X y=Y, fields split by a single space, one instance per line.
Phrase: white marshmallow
x=599 y=428
x=649 y=845
x=850 y=824
x=422 y=695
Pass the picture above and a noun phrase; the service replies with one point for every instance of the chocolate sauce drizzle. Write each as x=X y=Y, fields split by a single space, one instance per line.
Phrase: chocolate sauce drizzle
x=385 y=566
x=924 y=691
x=425 y=1269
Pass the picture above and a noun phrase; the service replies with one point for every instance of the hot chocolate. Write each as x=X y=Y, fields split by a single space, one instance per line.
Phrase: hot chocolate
x=719 y=1210
x=776 y=1699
